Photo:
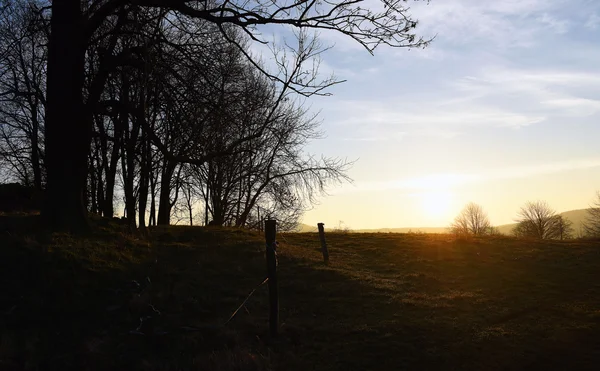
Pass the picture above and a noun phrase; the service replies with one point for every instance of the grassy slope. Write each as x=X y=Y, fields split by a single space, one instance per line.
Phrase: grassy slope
x=385 y=302
x=577 y=217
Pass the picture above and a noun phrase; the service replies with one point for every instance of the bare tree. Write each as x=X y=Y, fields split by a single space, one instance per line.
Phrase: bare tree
x=266 y=130
x=591 y=225
x=69 y=124
x=562 y=228
x=22 y=91
x=537 y=220
x=472 y=220
x=524 y=229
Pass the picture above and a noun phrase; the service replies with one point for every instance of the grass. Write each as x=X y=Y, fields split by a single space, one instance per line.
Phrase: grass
x=385 y=302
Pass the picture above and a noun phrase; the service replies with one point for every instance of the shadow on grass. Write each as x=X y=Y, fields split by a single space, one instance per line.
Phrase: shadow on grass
x=71 y=303
x=393 y=302
x=116 y=301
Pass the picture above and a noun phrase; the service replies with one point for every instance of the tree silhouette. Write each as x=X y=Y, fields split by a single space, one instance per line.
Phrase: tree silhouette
x=592 y=221
x=76 y=26
x=538 y=220
x=22 y=92
x=472 y=220
x=563 y=228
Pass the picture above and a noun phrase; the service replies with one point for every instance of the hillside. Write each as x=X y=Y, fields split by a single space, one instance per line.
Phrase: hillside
x=576 y=216
x=304 y=228
x=404 y=230
x=385 y=302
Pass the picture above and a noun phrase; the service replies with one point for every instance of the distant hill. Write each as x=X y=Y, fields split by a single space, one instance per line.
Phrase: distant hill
x=404 y=230
x=575 y=216
x=304 y=228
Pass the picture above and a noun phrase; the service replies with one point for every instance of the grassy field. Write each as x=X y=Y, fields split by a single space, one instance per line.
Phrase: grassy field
x=385 y=302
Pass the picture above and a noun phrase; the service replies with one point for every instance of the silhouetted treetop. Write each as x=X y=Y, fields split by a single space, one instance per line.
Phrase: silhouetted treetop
x=385 y=22
x=129 y=67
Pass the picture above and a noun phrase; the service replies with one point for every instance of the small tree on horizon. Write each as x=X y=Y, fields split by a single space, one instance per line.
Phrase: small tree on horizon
x=472 y=220
x=563 y=228
x=591 y=225
x=538 y=220
x=525 y=229
x=494 y=231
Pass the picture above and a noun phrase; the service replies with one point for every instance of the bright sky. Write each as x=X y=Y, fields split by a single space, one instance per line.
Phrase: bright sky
x=502 y=108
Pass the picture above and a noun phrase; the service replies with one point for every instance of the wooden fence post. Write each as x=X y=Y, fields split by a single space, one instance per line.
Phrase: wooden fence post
x=323 y=243
x=270 y=232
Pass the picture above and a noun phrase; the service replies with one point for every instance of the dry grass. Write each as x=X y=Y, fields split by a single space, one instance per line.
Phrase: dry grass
x=385 y=302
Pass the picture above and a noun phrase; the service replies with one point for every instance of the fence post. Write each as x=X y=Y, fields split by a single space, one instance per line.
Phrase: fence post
x=323 y=243
x=270 y=232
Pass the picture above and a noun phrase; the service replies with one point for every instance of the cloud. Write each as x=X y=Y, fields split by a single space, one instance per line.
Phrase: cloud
x=527 y=171
x=373 y=138
x=499 y=75
x=511 y=23
x=432 y=121
x=593 y=21
x=446 y=181
x=506 y=23
x=473 y=116
x=574 y=106
x=428 y=182
x=555 y=24
x=494 y=97
x=541 y=93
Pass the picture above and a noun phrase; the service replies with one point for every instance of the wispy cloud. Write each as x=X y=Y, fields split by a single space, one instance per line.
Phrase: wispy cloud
x=559 y=26
x=428 y=182
x=374 y=138
x=593 y=21
x=574 y=106
x=542 y=169
x=501 y=23
x=507 y=87
x=447 y=181
x=494 y=97
x=549 y=93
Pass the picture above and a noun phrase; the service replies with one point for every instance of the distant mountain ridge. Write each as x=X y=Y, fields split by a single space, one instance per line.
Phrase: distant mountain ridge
x=577 y=217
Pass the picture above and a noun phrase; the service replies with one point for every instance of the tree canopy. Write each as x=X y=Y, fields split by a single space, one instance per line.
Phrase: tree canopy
x=164 y=98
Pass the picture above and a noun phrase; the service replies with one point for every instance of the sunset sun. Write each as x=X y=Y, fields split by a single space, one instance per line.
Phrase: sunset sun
x=436 y=204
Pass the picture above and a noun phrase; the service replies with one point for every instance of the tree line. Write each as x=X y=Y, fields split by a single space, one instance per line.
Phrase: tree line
x=535 y=219
x=165 y=106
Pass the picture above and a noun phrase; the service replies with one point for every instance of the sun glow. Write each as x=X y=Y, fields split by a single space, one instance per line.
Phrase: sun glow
x=435 y=196
x=436 y=204
x=439 y=182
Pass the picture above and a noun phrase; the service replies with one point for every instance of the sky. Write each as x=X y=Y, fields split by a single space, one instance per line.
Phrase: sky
x=502 y=108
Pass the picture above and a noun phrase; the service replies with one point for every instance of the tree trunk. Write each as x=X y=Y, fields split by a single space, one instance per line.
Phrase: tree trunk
x=129 y=156
x=100 y=192
x=164 y=199
x=35 y=150
x=152 y=219
x=128 y=190
x=96 y=180
x=111 y=174
x=143 y=201
x=93 y=191
x=67 y=131
x=206 y=198
x=189 y=204
x=145 y=174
